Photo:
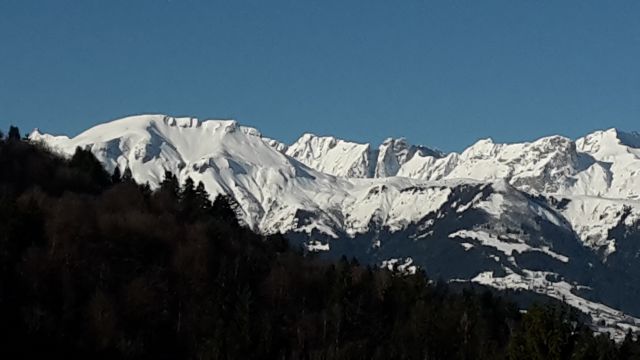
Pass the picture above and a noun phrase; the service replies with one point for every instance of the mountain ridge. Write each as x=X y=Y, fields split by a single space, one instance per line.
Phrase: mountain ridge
x=497 y=214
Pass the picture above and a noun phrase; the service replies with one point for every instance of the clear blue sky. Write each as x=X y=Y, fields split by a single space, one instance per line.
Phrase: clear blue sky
x=441 y=73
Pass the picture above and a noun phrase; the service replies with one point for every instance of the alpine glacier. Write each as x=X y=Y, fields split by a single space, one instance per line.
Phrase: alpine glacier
x=554 y=216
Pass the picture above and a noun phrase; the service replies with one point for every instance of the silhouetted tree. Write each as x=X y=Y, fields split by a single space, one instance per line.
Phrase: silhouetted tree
x=170 y=184
x=14 y=133
x=84 y=160
x=188 y=190
x=188 y=200
x=202 y=198
x=116 y=177
x=127 y=175
x=223 y=207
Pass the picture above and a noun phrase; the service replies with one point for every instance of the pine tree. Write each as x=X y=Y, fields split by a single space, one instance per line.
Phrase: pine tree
x=170 y=184
x=116 y=177
x=14 y=133
x=223 y=206
x=127 y=176
x=188 y=205
x=202 y=198
x=188 y=192
x=84 y=160
x=145 y=189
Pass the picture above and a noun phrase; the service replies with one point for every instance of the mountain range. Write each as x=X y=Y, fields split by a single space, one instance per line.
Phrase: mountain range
x=556 y=217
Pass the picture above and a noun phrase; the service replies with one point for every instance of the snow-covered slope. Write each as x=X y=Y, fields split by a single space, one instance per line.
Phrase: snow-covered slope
x=556 y=212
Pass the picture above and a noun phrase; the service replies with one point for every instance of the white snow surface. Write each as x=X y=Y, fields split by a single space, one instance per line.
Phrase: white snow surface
x=506 y=245
x=400 y=267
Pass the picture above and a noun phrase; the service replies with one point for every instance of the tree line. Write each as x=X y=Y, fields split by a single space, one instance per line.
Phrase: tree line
x=94 y=265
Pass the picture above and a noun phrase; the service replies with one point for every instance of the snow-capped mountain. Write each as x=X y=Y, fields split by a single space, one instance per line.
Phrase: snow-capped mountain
x=275 y=191
x=553 y=216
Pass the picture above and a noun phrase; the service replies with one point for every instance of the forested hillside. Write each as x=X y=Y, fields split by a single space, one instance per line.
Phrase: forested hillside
x=93 y=265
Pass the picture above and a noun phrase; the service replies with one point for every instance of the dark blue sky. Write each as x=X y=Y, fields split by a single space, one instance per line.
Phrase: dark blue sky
x=441 y=73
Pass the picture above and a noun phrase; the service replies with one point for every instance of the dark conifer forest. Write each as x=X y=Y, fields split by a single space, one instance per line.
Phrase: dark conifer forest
x=95 y=266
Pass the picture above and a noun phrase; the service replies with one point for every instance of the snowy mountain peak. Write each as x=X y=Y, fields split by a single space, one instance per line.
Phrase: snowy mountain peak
x=481 y=149
x=330 y=155
x=392 y=154
x=608 y=143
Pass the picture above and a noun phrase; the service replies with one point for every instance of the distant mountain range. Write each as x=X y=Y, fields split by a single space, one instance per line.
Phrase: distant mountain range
x=555 y=216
